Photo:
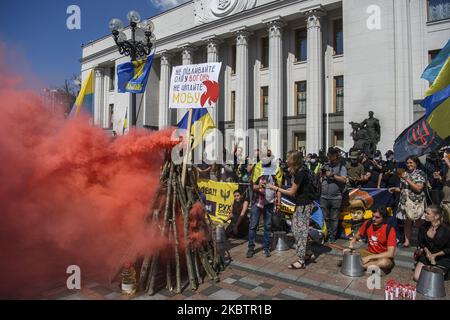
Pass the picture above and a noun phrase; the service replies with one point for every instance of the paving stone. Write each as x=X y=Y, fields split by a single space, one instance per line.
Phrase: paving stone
x=236 y=277
x=102 y=290
x=76 y=296
x=332 y=287
x=295 y=294
x=259 y=289
x=309 y=281
x=284 y=297
x=224 y=294
x=263 y=297
x=244 y=285
x=250 y=281
x=288 y=276
x=157 y=296
x=210 y=290
x=266 y=285
x=359 y=294
x=229 y=280
x=112 y=296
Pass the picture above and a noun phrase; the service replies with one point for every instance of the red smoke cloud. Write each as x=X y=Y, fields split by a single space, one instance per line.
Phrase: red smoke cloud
x=69 y=195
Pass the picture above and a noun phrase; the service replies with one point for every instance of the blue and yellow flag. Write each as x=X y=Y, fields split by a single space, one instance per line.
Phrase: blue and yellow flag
x=85 y=100
x=200 y=124
x=432 y=71
x=133 y=76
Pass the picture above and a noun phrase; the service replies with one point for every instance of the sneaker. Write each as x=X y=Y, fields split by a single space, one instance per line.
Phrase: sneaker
x=250 y=254
x=267 y=253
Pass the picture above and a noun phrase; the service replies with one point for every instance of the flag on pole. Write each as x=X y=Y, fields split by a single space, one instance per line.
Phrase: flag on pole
x=133 y=76
x=432 y=71
x=85 y=100
x=200 y=124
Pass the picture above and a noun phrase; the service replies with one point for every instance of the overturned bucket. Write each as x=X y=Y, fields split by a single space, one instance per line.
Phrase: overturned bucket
x=351 y=265
x=431 y=282
x=280 y=241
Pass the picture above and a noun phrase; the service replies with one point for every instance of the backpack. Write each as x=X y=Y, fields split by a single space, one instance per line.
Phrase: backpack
x=314 y=185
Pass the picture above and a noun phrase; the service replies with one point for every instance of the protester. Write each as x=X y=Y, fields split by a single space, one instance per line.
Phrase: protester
x=314 y=164
x=373 y=178
x=263 y=203
x=434 y=169
x=300 y=192
x=239 y=225
x=381 y=241
x=203 y=171
x=434 y=242
x=390 y=178
x=445 y=204
x=334 y=178
x=412 y=197
x=355 y=171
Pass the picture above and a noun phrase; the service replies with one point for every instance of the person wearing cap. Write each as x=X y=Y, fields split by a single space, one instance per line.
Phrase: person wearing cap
x=355 y=171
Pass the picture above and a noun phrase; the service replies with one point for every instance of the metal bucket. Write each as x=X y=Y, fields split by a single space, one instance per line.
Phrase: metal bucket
x=351 y=266
x=280 y=241
x=431 y=282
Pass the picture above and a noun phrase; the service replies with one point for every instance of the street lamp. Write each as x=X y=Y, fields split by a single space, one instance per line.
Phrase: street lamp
x=139 y=46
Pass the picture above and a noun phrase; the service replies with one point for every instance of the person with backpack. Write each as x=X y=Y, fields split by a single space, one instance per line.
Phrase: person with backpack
x=381 y=241
x=303 y=195
x=334 y=179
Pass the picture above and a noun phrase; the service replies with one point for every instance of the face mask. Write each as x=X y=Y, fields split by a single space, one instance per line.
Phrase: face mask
x=354 y=161
x=313 y=161
x=390 y=158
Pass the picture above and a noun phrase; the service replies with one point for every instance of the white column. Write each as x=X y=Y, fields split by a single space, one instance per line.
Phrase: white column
x=403 y=66
x=213 y=56
x=275 y=112
x=242 y=87
x=314 y=112
x=187 y=57
x=212 y=45
x=164 y=83
x=98 y=96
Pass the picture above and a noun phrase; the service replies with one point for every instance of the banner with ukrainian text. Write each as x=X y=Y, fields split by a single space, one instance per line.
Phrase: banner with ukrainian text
x=194 y=86
x=219 y=198
x=133 y=76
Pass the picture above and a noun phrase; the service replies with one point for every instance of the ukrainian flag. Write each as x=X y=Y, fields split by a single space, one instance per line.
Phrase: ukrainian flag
x=259 y=171
x=200 y=124
x=432 y=71
x=85 y=99
x=437 y=102
x=133 y=76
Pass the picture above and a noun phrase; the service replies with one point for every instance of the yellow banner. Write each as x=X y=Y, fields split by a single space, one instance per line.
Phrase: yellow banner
x=219 y=198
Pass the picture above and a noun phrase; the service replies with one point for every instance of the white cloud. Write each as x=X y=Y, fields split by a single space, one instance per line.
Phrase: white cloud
x=166 y=4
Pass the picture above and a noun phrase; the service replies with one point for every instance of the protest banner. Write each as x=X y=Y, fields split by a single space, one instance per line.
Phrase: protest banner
x=219 y=198
x=194 y=86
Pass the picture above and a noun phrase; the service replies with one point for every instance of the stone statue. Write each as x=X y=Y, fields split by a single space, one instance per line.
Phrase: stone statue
x=367 y=134
x=210 y=10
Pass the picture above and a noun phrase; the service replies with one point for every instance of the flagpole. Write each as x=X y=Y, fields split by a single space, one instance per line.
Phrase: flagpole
x=188 y=150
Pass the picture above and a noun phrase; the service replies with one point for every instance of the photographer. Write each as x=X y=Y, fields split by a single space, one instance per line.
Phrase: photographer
x=334 y=178
x=434 y=169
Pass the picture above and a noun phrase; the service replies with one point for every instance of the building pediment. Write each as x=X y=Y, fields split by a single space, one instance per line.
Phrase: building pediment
x=210 y=10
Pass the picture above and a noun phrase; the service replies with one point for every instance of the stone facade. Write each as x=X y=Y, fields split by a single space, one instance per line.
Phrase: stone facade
x=386 y=47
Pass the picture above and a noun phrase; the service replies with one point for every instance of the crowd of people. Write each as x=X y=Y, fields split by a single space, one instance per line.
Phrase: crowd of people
x=421 y=197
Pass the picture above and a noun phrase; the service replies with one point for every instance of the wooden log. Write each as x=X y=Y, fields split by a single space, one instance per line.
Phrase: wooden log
x=155 y=260
x=185 y=210
x=176 y=241
x=197 y=270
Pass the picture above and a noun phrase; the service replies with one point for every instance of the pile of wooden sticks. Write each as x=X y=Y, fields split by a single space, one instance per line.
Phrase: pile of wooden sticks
x=172 y=203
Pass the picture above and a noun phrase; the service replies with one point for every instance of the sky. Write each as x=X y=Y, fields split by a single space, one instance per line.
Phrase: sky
x=39 y=43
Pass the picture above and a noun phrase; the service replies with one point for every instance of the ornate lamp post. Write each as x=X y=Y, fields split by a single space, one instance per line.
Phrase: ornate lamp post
x=138 y=47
